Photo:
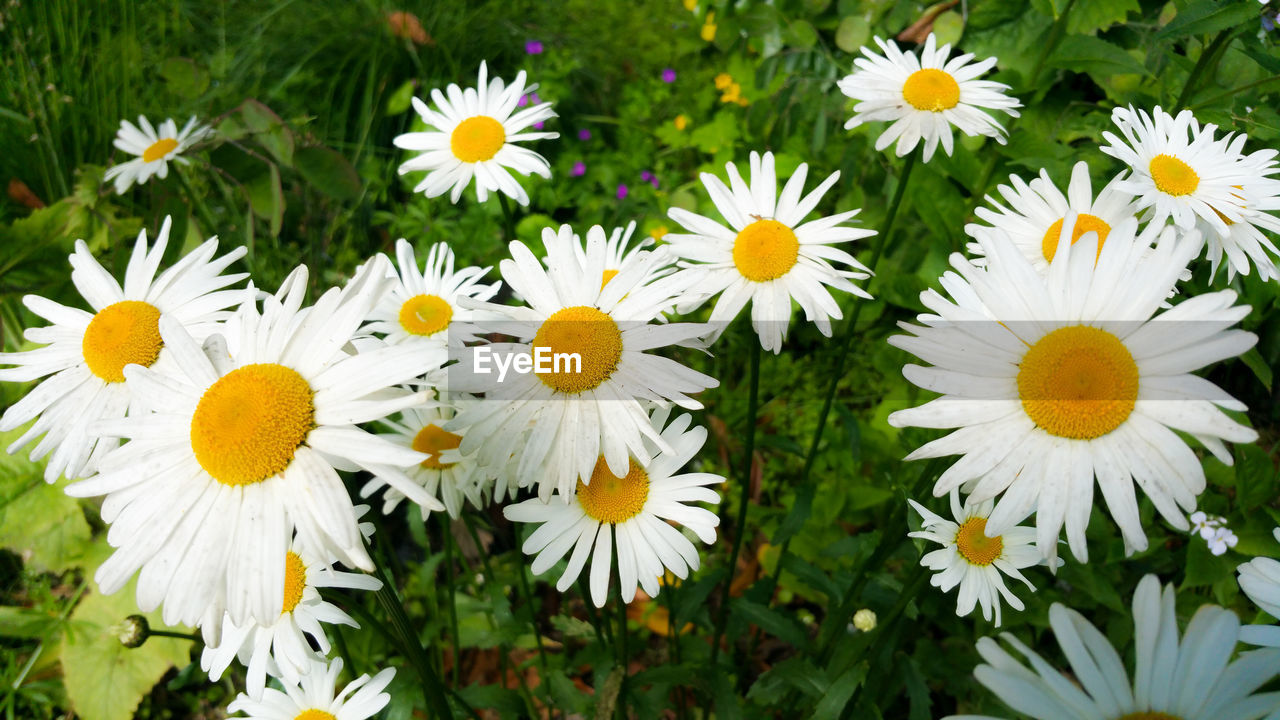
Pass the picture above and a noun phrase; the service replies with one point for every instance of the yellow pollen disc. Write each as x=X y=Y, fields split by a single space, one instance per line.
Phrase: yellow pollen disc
x=973 y=544
x=295 y=580
x=1084 y=223
x=249 y=423
x=477 y=138
x=608 y=275
x=931 y=89
x=1150 y=715
x=120 y=334
x=159 y=149
x=765 y=250
x=613 y=499
x=425 y=315
x=315 y=714
x=1173 y=176
x=1078 y=382
x=583 y=331
x=433 y=441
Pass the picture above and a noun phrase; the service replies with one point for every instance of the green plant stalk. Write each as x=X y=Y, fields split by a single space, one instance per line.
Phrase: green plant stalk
x=447 y=539
x=1208 y=57
x=1055 y=36
x=171 y=634
x=622 y=633
x=211 y=226
x=508 y=219
x=533 y=618
x=1236 y=91
x=432 y=689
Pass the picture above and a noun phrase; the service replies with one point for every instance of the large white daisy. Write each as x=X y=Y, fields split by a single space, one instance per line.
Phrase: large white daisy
x=636 y=509
x=558 y=419
x=924 y=97
x=1053 y=380
x=1187 y=678
x=1260 y=581
x=241 y=447
x=474 y=134
x=85 y=352
x=315 y=697
x=768 y=256
x=153 y=149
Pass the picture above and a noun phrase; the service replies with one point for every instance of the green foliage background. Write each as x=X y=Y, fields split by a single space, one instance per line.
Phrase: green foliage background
x=307 y=96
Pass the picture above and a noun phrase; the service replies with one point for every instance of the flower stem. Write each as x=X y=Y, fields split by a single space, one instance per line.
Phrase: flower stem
x=508 y=219
x=170 y=634
x=432 y=688
x=446 y=533
x=1055 y=36
x=1209 y=56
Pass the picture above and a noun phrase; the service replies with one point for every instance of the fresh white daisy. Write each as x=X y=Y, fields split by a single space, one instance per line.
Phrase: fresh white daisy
x=282 y=648
x=924 y=97
x=474 y=134
x=636 y=510
x=1187 y=678
x=586 y=396
x=1178 y=171
x=1036 y=211
x=315 y=697
x=768 y=256
x=972 y=559
x=1053 y=380
x=445 y=474
x=1260 y=581
x=1244 y=242
x=619 y=252
x=241 y=447
x=85 y=353
x=154 y=150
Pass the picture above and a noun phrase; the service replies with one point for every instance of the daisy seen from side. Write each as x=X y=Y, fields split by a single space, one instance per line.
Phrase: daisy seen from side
x=1260 y=580
x=153 y=148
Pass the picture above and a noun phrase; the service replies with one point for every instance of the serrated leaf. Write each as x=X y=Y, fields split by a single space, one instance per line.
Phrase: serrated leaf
x=1081 y=53
x=1206 y=16
x=329 y=172
x=37 y=520
x=1090 y=16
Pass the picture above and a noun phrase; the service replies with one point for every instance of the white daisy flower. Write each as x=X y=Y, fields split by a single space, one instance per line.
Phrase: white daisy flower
x=445 y=474
x=85 y=353
x=1245 y=242
x=282 y=648
x=558 y=420
x=767 y=256
x=1036 y=211
x=637 y=509
x=315 y=697
x=1178 y=171
x=971 y=559
x=242 y=446
x=154 y=150
x=475 y=134
x=924 y=97
x=1260 y=581
x=1187 y=678
x=619 y=253
x=1053 y=380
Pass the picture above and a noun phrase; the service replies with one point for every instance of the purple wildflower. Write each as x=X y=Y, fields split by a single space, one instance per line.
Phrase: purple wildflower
x=533 y=47
x=668 y=75
x=584 y=134
x=622 y=192
x=578 y=169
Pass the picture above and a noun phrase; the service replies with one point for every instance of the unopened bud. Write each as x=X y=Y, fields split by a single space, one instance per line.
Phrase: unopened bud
x=865 y=620
x=133 y=631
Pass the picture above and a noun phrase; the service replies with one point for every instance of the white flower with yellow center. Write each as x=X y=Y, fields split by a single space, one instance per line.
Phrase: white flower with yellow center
x=153 y=149
x=1260 y=581
x=1178 y=171
x=767 y=256
x=1053 y=380
x=282 y=648
x=924 y=97
x=587 y=398
x=1244 y=242
x=1037 y=210
x=85 y=353
x=315 y=697
x=635 y=510
x=1189 y=678
x=475 y=134
x=241 y=447
x=619 y=252
x=971 y=559
x=445 y=474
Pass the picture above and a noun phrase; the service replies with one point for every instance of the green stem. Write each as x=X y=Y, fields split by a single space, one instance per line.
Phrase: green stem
x=508 y=219
x=1055 y=36
x=1231 y=93
x=432 y=689
x=170 y=634
x=198 y=203
x=602 y=635
x=447 y=538
x=621 y=637
x=1209 y=56
x=533 y=617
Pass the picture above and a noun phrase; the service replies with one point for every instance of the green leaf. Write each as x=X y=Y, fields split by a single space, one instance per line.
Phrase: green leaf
x=1261 y=370
x=329 y=172
x=948 y=27
x=37 y=520
x=853 y=32
x=21 y=622
x=774 y=622
x=837 y=696
x=1203 y=567
x=1206 y=16
x=184 y=77
x=1090 y=16
x=800 y=33
x=267 y=199
x=402 y=99
x=1081 y=53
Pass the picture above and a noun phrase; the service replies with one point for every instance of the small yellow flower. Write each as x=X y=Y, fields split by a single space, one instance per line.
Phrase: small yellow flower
x=690 y=5
x=865 y=620
x=723 y=80
x=732 y=94
x=743 y=102
x=659 y=232
x=682 y=121
x=709 y=27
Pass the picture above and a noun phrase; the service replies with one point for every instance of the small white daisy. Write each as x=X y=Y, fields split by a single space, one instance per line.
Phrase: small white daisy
x=972 y=560
x=1054 y=380
x=924 y=97
x=445 y=474
x=619 y=253
x=1260 y=581
x=768 y=256
x=637 y=508
x=85 y=352
x=315 y=697
x=474 y=135
x=1189 y=678
x=1245 y=242
x=242 y=446
x=154 y=150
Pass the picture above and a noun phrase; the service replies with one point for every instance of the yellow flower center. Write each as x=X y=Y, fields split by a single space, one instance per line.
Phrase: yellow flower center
x=477 y=139
x=159 y=149
x=433 y=441
x=295 y=581
x=608 y=275
x=613 y=499
x=973 y=544
x=1173 y=176
x=931 y=89
x=425 y=315
x=1078 y=382
x=1084 y=223
x=765 y=250
x=1149 y=715
x=125 y=333
x=248 y=425
x=587 y=333
x=315 y=714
